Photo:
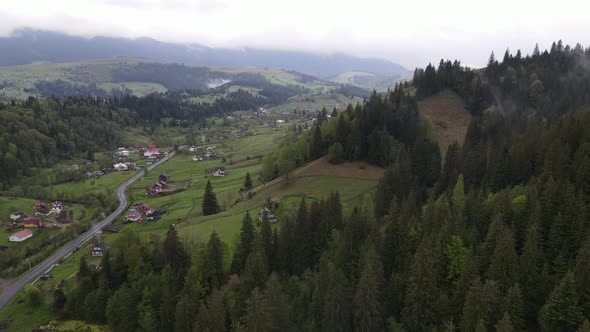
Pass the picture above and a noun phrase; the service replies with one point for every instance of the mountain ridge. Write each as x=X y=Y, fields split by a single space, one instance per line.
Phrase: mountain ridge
x=25 y=46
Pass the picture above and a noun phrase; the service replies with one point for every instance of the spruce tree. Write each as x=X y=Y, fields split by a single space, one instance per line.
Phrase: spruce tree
x=244 y=246
x=505 y=324
x=214 y=261
x=561 y=311
x=248 y=182
x=258 y=315
x=337 y=308
x=368 y=301
x=582 y=274
x=209 y=205
x=504 y=265
x=121 y=310
x=279 y=312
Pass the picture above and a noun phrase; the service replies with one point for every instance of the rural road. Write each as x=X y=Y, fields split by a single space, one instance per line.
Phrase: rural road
x=10 y=291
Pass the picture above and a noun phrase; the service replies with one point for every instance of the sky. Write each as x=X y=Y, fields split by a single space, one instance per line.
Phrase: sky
x=411 y=33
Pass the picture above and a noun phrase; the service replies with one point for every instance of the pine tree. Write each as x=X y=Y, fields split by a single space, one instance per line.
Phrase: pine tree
x=316 y=148
x=504 y=265
x=256 y=270
x=266 y=239
x=514 y=305
x=337 y=309
x=419 y=311
x=173 y=253
x=481 y=304
x=368 y=301
x=209 y=205
x=121 y=310
x=561 y=311
x=214 y=261
x=582 y=274
x=505 y=324
x=248 y=182
x=83 y=270
x=258 y=317
x=276 y=299
x=244 y=246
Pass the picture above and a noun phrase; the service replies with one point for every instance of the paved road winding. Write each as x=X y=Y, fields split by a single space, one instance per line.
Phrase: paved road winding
x=10 y=291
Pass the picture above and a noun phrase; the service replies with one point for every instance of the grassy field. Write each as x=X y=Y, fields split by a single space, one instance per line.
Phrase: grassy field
x=9 y=205
x=448 y=117
x=317 y=102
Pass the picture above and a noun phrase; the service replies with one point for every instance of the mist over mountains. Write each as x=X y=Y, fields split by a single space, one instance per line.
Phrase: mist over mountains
x=27 y=46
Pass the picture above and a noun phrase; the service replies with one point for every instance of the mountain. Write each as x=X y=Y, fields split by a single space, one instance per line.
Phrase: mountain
x=27 y=46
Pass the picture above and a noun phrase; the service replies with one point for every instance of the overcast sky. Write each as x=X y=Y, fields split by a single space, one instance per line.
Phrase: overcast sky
x=411 y=33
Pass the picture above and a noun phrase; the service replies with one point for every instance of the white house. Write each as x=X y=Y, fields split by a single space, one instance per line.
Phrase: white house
x=16 y=216
x=21 y=236
x=124 y=154
x=219 y=171
x=120 y=167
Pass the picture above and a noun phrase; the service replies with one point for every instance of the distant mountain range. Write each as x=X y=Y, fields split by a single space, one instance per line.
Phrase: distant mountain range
x=27 y=46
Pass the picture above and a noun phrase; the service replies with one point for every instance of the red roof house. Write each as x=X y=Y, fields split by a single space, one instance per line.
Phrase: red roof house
x=134 y=216
x=32 y=222
x=21 y=236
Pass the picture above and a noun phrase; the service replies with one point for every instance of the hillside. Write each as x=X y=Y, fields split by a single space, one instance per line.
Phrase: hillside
x=447 y=116
x=138 y=77
x=370 y=81
x=29 y=46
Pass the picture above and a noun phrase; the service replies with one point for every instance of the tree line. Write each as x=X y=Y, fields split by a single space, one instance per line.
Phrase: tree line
x=552 y=82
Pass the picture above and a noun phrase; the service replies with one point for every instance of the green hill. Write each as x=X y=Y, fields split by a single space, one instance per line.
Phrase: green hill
x=136 y=76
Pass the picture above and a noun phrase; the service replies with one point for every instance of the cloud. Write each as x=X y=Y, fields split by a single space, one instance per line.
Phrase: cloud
x=412 y=33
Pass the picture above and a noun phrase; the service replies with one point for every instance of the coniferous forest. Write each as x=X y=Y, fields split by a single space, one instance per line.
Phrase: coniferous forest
x=491 y=235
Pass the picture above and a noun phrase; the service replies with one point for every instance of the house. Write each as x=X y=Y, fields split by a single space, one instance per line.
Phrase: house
x=39 y=205
x=32 y=222
x=120 y=167
x=134 y=216
x=123 y=154
x=266 y=213
x=152 y=151
x=143 y=208
x=219 y=171
x=192 y=148
x=155 y=189
x=56 y=206
x=163 y=177
x=74 y=167
x=21 y=236
x=97 y=247
x=17 y=215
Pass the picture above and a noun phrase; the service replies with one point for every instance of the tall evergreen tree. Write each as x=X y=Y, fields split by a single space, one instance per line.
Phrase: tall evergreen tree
x=121 y=310
x=337 y=308
x=244 y=246
x=368 y=301
x=561 y=311
x=248 y=182
x=215 y=274
x=209 y=205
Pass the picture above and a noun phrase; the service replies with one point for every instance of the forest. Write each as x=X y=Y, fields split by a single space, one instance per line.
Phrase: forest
x=492 y=235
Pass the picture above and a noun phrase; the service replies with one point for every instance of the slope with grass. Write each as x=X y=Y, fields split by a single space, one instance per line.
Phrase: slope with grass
x=447 y=116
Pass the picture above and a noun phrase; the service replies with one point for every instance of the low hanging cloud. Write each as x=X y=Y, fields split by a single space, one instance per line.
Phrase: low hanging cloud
x=411 y=33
